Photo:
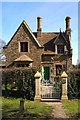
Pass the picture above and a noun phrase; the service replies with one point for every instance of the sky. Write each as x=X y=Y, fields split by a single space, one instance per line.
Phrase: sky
x=53 y=18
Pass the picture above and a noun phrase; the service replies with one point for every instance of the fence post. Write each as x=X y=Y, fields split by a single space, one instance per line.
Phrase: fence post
x=22 y=105
x=37 y=86
x=64 y=85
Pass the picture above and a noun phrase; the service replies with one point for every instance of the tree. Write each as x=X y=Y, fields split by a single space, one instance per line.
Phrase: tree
x=2 y=54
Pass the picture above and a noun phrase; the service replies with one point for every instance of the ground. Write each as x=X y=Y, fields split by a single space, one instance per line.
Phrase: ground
x=58 y=110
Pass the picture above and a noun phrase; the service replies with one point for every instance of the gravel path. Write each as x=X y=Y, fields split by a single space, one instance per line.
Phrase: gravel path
x=58 y=110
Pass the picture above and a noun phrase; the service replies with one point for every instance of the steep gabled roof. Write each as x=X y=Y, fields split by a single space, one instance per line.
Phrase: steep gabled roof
x=60 y=35
x=46 y=37
x=27 y=27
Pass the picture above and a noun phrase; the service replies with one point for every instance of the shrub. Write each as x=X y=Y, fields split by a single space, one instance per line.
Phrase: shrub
x=24 y=82
x=74 y=84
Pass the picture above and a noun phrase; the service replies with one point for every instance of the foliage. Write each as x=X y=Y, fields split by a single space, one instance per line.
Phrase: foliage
x=2 y=53
x=74 y=84
x=71 y=107
x=19 y=81
x=11 y=108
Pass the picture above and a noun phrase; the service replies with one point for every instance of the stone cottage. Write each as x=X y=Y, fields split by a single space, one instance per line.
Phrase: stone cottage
x=50 y=51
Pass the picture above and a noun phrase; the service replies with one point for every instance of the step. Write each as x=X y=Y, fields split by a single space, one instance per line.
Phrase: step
x=50 y=100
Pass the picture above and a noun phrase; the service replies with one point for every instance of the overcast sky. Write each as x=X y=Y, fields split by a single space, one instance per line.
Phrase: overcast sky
x=53 y=18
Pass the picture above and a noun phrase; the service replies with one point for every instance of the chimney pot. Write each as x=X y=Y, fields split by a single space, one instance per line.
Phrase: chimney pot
x=68 y=29
x=67 y=23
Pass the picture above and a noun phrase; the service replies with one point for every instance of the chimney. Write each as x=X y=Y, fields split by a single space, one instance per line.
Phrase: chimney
x=68 y=29
x=39 y=26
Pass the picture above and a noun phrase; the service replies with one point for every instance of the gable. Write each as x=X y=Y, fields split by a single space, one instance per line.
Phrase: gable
x=27 y=30
x=50 y=46
x=60 y=39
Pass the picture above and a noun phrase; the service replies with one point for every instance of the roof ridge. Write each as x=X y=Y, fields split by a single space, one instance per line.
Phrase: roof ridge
x=24 y=22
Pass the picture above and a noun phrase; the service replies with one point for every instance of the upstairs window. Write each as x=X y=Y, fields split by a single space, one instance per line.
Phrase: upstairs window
x=23 y=46
x=60 y=48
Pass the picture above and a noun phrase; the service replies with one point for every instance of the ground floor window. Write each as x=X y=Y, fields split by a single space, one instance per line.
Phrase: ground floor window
x=22 y=64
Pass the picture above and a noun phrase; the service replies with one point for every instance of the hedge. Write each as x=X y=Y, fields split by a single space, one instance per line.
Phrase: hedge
x=19 y=83
x=74 y=84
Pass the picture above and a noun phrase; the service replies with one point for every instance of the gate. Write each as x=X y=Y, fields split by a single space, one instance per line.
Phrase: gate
x=51 y=90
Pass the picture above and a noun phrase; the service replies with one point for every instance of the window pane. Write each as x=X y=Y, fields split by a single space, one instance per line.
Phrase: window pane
x=60 y=48
x=24 y=46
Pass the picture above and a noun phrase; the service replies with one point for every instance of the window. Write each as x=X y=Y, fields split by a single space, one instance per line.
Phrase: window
x=22 y=65
x=23 y=46
x=60 y=48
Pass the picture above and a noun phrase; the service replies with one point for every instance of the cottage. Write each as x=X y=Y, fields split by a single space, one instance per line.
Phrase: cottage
x=46 y=50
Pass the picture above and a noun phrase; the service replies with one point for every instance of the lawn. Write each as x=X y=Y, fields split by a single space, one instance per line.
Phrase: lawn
x=72 y=107
x=10 y=108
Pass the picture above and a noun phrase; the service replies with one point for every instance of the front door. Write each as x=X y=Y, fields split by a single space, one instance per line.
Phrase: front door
x=46 y=73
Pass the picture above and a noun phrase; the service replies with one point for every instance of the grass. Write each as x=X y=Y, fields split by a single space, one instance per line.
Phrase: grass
x=10 y=108
x=72 y=107
x=0 y=108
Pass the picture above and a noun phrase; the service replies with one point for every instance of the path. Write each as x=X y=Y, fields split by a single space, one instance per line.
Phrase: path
x=58 y=110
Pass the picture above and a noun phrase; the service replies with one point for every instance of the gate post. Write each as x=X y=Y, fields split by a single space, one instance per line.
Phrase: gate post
x=64 y=85
x=37 y=86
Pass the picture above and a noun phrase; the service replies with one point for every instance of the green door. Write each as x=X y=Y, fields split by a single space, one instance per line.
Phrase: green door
x=46 y=73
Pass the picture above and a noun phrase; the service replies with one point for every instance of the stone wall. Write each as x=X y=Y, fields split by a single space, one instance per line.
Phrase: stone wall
x=12 y=50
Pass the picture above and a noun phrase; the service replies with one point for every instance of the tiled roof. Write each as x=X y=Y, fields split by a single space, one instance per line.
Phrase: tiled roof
x=48 y=36
x=59 y=37
x=45 y=37
x=23 y=58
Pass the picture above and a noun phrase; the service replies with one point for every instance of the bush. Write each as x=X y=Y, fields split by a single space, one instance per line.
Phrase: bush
x=74 y=84
x=19 y=82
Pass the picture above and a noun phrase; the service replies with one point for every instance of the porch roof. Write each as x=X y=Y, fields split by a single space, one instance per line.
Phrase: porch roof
x=23 y=58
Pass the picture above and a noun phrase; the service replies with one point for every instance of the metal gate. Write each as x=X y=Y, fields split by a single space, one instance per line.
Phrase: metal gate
x=51 y=90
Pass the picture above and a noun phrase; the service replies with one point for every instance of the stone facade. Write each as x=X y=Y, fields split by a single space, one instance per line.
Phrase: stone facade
x=45 y=49
x=12 y=50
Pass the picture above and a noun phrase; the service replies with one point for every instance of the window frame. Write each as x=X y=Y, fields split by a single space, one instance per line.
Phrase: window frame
x=60 y=50
x=24 y=48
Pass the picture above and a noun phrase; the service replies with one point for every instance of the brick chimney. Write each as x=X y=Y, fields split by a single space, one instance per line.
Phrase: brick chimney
x=39 y=26
x=68 y=29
